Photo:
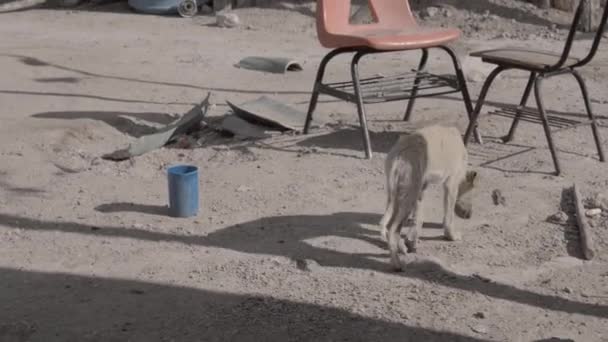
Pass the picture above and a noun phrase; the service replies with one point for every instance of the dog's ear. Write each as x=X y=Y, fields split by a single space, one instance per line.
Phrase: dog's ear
x=471 y=176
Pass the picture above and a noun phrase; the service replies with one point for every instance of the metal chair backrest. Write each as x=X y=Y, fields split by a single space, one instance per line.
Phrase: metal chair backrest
x=571 y=34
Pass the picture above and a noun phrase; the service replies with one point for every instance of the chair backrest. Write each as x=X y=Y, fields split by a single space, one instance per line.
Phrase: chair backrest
x=333 y=15
x=392 y=13
x=571 y=34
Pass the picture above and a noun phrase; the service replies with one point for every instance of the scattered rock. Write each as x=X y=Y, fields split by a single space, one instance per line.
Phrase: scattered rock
x=480 y=329
x=227 y=19
x=95 y=161
x=479 y=315
x=559 y=217
x=593 y=212
x=498 y=198
x=243 y=188
x=567 y=290
x=430 y=12
x=307 y=265
x=599 y=200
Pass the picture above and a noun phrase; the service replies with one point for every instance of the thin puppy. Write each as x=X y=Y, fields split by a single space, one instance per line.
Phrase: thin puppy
x=431 y=155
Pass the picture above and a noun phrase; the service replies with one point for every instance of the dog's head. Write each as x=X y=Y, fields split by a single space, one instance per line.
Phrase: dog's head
x=464 y=208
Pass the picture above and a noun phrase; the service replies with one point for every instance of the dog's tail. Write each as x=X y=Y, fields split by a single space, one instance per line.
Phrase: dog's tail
x=393 y=177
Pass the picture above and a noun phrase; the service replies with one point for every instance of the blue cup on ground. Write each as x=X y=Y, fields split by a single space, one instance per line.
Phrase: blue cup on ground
x=183 y=190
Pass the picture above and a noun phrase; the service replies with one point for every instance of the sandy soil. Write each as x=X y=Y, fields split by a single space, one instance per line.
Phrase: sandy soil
x=286 y=246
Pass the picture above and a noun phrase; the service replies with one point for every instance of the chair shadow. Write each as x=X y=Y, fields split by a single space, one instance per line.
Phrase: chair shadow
x=118 y=120
x=121 y=207
x=289 y=236
x=350 y=138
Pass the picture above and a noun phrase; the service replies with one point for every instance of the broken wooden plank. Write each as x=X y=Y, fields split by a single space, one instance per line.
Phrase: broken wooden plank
x=583 y=227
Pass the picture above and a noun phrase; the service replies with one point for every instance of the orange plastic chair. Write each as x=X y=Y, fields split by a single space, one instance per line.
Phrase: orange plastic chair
x=394 y=29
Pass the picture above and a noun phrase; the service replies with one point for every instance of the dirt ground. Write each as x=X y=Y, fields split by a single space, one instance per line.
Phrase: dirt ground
x=286 y=244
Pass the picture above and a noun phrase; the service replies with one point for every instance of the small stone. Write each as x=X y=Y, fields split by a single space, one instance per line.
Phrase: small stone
x=598 y=200
x=480 y=329
x=593 y=212
x=498 y=198
x=307 y=265
x=430 y=11
x=479 y=315
x=559 y=217
x=243 y=188
x=567 y=290
x=227 y=19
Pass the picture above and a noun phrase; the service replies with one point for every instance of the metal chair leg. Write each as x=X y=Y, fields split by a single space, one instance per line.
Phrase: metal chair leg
x=462 y=84
x=318 y=80
x=596 y=133
x=480 y=101
x=412 y=100
x=522 y=104
x=543 y=116
x=359 y=100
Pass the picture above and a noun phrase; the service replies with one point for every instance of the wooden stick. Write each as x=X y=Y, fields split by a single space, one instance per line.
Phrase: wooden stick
x=583 y=227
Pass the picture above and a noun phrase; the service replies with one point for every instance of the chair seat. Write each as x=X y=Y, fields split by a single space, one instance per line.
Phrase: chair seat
x=390 y=39
x=536 y=60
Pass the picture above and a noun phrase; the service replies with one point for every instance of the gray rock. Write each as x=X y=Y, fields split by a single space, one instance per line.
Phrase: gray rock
x=599 y=200
x=559 y=217
x=430 y=12
x=227 y=19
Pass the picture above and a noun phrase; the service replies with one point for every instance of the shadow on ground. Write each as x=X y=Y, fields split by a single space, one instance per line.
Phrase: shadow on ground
x=37 y=63
x=125 y=122
x=60 y=307
x=287 y=236
x=123 y=207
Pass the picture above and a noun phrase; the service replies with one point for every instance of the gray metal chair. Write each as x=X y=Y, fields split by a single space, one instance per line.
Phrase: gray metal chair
x=541 y=65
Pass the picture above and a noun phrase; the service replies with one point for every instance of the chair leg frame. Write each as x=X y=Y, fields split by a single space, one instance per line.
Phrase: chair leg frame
x=543 y=115
x=535 y=81
x=359 y=53
x=522 y=105
x=354 y=69
x=421 y=66
x=462 y=84
x=594 y=127
x=318 y=81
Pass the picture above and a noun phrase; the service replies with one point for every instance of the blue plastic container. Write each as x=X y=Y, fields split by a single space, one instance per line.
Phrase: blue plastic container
x=183 y=190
